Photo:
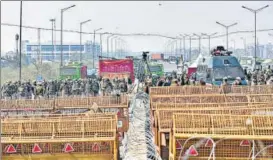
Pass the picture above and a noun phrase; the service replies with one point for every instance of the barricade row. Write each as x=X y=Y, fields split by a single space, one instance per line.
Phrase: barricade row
x=164 y=112
x=228 y=149
x=91 y=127
x=225 y=125
x=102 y=101
x=203 y=136
x=213 y=99
x=191 y=90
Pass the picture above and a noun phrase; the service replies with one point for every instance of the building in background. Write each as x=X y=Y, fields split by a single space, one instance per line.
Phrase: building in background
x=49 y=52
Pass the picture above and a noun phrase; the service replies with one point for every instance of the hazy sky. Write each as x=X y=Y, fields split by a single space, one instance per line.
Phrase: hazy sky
x=171 y=18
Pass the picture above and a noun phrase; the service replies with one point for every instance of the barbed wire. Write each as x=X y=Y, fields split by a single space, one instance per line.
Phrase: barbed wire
x=135 y=34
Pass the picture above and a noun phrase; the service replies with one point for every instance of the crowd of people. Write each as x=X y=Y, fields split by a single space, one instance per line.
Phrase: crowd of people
x=64 y=88
x=257 y=77
x=105 y=86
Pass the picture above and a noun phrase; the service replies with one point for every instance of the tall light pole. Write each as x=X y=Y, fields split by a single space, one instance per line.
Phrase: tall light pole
x=199 y=41
x=255 y=24
x=108 y=37
x=227 y=27
x=62 y=11
x=20 y=36
x=190 y=46
x=112 y=46
x=52 y=36
x=82 y=23
x=209 y=36
x=232 y=40
x=94 y=43
x=184 y=43
x=244 y=41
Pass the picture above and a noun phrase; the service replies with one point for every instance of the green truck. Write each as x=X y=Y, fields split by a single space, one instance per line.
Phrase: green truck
x=73 y=70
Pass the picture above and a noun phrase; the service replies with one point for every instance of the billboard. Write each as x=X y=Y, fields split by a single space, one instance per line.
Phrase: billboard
x=120 y=66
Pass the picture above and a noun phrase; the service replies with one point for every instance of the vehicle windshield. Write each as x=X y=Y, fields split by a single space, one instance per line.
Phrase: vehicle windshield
x=68 y=71
x=230 y=72
x=234 y=72
x=219 y=73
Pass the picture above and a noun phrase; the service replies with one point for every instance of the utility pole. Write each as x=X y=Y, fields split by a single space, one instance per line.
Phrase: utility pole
x=244 y=41
x=94 y=45
x=190 y=37
x=81 y=48
x=62 y=11
x=255 y=24
x=108 y=37
x=209 y=36
x=226 y=27
x=199 y=41
x=39 y=46
x=52 y=38
x=17 y=45
x=101 y=44
x=20 y=47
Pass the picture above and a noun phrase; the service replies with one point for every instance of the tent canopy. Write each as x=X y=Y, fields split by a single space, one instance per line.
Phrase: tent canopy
x=198 y=60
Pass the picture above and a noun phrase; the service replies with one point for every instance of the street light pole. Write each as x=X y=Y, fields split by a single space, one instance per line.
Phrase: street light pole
x=199 y=39
x=255 y=20
x=112 y=46
x=81 y=37
x=62 y=11
x=190 y=46
x=52 y=36
x=94 y=43
x=227 y=27
x=209 y=36
x=108 y=37
x=244 y=41
x=20 y=36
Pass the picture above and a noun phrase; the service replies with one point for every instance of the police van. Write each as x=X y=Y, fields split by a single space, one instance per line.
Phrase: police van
x=219 y=65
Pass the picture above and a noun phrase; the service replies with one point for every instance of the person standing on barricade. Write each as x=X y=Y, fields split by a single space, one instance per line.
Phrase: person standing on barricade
x=225 y=87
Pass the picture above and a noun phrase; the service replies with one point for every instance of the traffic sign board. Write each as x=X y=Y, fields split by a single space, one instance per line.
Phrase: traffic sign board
x=245 y=143
x=68 y=148
x=192 y=151
x=36 y=148
x=10 y=149
x=209 y=143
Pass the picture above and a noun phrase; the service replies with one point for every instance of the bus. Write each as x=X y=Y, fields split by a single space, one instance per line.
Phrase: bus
x=73 y=70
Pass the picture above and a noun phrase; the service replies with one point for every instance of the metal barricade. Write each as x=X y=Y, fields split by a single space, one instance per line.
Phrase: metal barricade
x=92 y=136
x=189 y=90
x=199 y=136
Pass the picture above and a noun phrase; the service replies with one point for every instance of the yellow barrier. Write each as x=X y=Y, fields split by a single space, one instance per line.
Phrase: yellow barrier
x=231 y=136
x=190 y=90
x=71 y=102
x=78 y=137
x=210 y=98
